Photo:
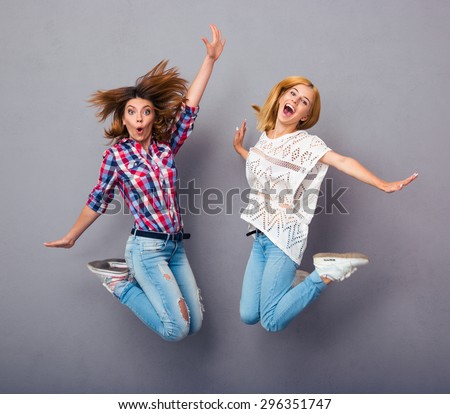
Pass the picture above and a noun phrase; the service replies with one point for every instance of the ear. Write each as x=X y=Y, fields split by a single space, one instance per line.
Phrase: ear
x=301 y=122
x=305 y=118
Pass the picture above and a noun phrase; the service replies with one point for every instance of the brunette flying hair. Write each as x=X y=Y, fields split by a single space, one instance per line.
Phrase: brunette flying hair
x=267 y=115
x=164 y=88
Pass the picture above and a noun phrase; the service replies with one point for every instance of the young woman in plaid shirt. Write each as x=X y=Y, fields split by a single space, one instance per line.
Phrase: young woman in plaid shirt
x=150 y=122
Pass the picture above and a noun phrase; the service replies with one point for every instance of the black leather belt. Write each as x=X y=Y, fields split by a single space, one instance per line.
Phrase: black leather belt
x=254 y=232
x=162 y=236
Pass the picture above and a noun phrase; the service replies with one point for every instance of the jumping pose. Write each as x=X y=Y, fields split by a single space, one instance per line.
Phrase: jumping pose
x=150 y=122
x=285 y=170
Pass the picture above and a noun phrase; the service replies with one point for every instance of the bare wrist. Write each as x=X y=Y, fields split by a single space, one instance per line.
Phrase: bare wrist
x=210 y=60
x=382 y=185
x=71 y=238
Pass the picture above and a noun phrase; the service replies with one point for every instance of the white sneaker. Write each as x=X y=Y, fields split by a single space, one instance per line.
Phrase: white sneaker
x=109 y=267
x=117 y=262
x=338 y=266
x=110 y=282
x=110 y=272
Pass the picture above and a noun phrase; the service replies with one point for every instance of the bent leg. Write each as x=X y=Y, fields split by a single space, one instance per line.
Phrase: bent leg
x=294 y=301
x=156 y=298
x=280 y=302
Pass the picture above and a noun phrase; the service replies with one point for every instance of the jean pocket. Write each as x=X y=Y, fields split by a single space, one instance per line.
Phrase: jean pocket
x=153 y=245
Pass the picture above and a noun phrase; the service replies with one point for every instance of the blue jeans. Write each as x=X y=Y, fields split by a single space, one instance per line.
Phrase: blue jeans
x=164 y=295
x=267 y=292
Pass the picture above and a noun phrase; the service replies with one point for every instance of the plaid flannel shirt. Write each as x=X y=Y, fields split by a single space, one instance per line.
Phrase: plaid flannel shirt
x=146 y=180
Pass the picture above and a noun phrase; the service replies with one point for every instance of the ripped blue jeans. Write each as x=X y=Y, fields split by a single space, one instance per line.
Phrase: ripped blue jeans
x=267 y=292
x=164 y=294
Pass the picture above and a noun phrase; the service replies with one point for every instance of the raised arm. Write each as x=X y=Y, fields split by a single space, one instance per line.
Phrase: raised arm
x=356 y=170
x=213 y=51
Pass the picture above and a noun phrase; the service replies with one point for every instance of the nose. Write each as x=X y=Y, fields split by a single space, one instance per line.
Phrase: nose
x=139 y=117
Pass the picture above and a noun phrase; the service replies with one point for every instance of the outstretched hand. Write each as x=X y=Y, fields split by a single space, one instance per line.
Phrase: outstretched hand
x=399 y=185
x=215 y=48
x=63 y=243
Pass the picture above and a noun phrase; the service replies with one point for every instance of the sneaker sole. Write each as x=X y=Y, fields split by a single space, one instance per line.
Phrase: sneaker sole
x=117 y=262
x=114 y=262
x=341 y=256
x=106 y=272
x=356 y=259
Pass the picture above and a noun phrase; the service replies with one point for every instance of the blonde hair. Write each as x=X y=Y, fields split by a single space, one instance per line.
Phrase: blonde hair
x=267 y=115
x=162 y=87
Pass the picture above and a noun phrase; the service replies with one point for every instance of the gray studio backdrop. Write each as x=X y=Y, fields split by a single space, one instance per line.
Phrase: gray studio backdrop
x=383 y=70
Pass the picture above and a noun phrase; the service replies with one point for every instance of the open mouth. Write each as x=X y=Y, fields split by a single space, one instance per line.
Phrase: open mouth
x=140 y=130
x=288 y=110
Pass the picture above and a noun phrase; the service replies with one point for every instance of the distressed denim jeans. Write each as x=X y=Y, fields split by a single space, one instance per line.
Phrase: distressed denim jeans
x=267 y=292
x=164 y=294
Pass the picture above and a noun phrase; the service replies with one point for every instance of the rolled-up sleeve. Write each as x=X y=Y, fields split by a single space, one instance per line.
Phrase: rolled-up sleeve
x=183 y=126
x=103 y=192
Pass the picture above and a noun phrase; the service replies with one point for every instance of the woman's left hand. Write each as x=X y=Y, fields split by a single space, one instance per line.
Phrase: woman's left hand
x=239 y=140
x=398 y=185
x=215 y=48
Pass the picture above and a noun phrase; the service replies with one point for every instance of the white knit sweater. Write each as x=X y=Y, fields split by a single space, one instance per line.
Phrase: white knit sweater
x=285 y=175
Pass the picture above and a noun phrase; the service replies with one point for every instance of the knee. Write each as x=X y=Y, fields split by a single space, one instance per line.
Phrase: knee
x=249 y=318
x=176 y=332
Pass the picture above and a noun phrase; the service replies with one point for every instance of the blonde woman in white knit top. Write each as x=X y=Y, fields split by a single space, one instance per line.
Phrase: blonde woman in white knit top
x=284 y=170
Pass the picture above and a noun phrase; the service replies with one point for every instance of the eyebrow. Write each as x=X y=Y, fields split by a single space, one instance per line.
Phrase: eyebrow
x=146 y=106
x=302 y=96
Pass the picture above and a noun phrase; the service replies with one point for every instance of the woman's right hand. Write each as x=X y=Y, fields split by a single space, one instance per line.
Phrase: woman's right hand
x=64 y=243
x=85 y=219
x=215 y=48
x=239 y=140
